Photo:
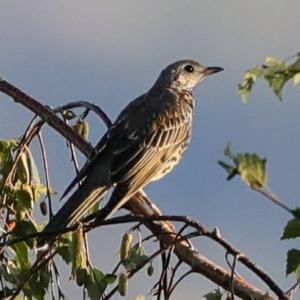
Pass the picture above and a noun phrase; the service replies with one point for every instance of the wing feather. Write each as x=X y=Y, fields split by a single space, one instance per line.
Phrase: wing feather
x=144 y=160
x=146 y=137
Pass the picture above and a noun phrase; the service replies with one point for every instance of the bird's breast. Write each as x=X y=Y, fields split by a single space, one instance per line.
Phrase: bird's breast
x=172 y=157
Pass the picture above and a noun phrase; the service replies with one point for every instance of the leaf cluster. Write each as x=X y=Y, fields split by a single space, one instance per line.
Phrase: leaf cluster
x=249 y=166
x=275 y=71
x=292 y=231
x=20 y=190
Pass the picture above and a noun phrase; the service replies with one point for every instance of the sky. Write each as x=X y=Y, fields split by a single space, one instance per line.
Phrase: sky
x=109 y=52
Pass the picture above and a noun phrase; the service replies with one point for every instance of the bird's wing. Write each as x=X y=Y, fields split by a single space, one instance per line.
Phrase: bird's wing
x=84 y=171
x=104 y=141
x=149 y=140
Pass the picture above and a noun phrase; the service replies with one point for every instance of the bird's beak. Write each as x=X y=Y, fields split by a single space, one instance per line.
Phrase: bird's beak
x=212 y=70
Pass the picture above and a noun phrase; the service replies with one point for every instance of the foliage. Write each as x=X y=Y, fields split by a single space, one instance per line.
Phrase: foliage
x=250 y=167
x=214 y=295
x=292 y=231
x=275 y=71
x=20 y=190
x=252 y=170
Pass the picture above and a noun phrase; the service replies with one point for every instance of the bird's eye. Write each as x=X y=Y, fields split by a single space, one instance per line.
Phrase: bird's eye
x=189 y=68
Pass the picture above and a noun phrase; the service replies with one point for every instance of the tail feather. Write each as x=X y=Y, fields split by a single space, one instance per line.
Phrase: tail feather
x=118 y=198
x=76 y=206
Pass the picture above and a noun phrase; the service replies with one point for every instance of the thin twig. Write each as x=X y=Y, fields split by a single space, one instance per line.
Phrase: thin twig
x=46 y=170
x=81 y=103
x=179 y=280
x=293 y=288
x=168 y=259
x=173 y=275
x=235 y=257
x=52 y=283
x=163 y=276
x=271 y=196
x=61 y=295
x=46 y=114
x=73 y=157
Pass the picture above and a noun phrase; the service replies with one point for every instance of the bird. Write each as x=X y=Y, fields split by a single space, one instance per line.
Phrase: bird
x=146 y=141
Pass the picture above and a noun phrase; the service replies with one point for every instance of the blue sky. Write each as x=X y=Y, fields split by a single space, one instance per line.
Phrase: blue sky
x=109 y=53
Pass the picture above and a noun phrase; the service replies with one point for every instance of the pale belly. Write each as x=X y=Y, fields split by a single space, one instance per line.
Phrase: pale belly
x=173 y=159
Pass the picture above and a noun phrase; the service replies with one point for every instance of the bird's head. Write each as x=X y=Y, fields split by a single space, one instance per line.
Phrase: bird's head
x=184 y=74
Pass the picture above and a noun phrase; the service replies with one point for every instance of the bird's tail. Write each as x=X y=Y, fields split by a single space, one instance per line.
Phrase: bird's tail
x=118 y=198
x=76 y=206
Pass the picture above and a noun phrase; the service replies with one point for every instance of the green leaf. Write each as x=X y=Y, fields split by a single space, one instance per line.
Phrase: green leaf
x=136 y=258
x=273 y=61
x=66 y=253
x=25 y=227
x=7 y=145
x=293 y=262
x=249 y=80
x=40 y=191
x=97 y=282
x=109 y=278
x=252 y=169
x=95 y=285
x=22 y=172
x=249 y=166
x=25 y=200
x=276 y=72
x=140 y=297
x=215 y=295
x=296 y=78
x=291 y=230
x=66 y=239
x=296 y=212
x=246 y=86
x=6 y=159
x=38 y=284
x=231 y=170
x=64 y=248
x=295 y=67
x=277 y=83
x=22 y=255
x=4 y=145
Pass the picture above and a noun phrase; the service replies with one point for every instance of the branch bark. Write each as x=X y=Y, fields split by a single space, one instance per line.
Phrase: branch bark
x=143 y=206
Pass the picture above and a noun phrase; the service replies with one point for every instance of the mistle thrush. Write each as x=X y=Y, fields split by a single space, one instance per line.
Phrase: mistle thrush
x=145 y=142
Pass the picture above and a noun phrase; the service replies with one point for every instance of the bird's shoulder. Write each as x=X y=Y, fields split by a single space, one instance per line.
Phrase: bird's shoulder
x=154 y=110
